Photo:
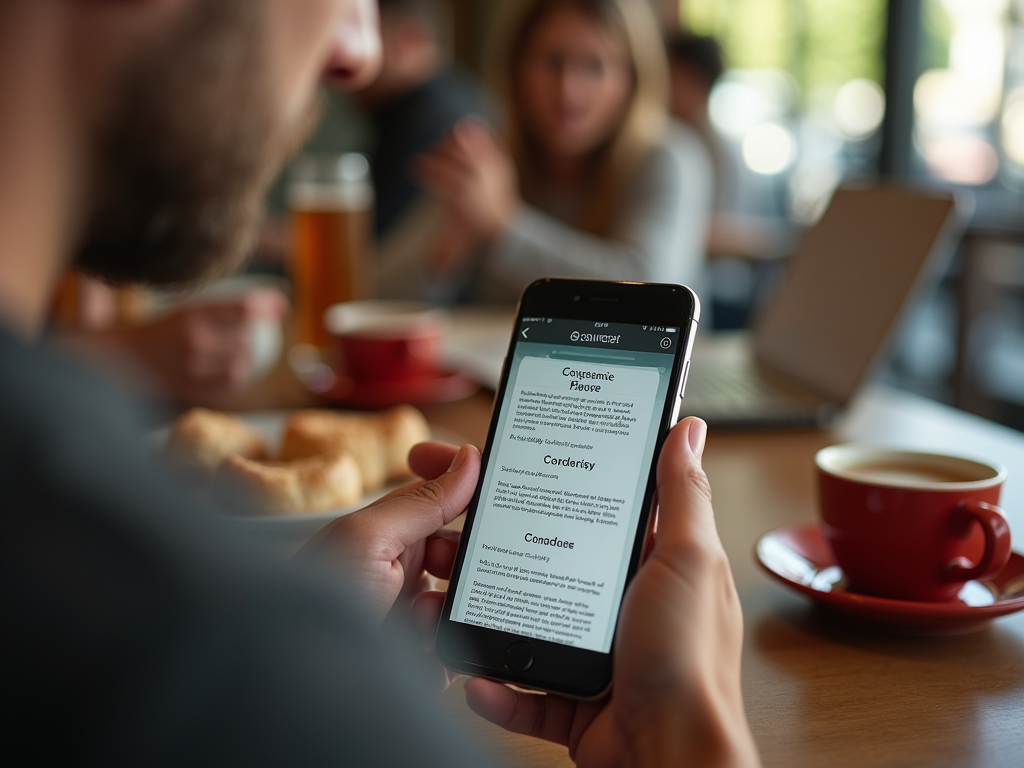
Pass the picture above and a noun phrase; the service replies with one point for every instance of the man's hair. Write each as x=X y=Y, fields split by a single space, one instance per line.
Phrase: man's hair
x=699 y=52
x=186 y=155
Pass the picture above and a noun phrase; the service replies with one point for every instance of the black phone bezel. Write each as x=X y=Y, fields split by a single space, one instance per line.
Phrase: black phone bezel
x=559 y=668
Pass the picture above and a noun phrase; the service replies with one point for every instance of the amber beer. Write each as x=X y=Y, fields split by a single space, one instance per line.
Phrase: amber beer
x=331 y=203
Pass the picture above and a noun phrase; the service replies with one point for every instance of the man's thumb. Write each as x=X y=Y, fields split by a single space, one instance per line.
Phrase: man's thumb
x=684 y=494
x=421 y=512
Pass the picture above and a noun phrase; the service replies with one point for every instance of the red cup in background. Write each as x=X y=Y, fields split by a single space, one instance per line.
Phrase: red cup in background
x=387 y=341
x=908 y=525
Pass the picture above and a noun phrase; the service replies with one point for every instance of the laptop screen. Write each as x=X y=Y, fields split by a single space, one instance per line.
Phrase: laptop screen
x=848 y=283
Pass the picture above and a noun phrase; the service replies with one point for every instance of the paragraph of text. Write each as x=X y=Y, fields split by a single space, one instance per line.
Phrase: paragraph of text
x=551 y=502
x=535 y=410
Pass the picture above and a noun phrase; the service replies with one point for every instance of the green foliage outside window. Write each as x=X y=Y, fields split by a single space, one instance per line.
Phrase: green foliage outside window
x=819 y=42
x=938 y=28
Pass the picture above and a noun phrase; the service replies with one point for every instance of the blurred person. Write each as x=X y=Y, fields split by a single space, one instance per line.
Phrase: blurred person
x=413 y=103
x=740 y=234
x=588 y=178
x=696 y=62
x=137 y=140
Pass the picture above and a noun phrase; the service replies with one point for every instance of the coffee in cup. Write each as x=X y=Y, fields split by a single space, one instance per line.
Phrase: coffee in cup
x=910 y=525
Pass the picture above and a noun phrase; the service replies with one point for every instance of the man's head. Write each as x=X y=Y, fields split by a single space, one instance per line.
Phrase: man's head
x=413 y=41
x=200 y=102
x=696 y=63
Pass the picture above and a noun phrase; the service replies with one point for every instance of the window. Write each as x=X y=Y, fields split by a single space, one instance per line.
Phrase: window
x=802 y=101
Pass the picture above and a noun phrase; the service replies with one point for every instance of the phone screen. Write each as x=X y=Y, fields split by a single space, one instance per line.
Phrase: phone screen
x=563 y=489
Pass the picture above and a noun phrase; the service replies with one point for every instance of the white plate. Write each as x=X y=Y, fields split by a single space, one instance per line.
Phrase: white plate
x=270 y=424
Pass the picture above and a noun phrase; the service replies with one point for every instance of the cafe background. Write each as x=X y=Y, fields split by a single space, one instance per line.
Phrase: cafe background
x=820 y=91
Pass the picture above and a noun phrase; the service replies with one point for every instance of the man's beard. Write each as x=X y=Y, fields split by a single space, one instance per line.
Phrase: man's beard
x=183 y=165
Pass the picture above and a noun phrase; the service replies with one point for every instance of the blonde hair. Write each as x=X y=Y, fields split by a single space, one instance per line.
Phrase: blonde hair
x=642 y=122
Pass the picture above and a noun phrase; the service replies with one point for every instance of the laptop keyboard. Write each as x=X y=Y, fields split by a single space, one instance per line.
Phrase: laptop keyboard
x=729 y=387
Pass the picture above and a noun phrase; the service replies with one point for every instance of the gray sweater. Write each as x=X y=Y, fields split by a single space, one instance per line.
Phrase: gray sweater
x=658 y=234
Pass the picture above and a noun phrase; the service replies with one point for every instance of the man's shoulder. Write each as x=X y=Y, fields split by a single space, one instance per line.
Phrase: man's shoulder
x=38 y=385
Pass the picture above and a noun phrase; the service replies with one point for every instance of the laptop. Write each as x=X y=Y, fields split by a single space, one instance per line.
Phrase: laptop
x=826 y=329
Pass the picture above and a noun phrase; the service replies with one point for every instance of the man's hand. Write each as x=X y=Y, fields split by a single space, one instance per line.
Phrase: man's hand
x=675 y=696
x=386 y=548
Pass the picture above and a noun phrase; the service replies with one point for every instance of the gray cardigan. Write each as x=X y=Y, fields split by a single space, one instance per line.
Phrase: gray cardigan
x=658 y=234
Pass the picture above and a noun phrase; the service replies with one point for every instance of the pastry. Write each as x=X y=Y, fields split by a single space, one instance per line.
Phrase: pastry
x=402 y=427
x=326 y=481
x=328 y=459
x=380 y=442
x=310 y=433
x=201 y=439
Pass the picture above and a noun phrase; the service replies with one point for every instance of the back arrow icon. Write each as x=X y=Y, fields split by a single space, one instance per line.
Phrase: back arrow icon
x=524 y=332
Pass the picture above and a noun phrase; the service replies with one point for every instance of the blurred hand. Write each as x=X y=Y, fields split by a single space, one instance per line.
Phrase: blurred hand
x=195 y=355
x=388 y=548
x=675 y=697
x=199 y=353
x=476 y=181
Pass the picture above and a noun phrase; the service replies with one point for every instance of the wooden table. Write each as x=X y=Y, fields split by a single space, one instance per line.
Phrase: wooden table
x=819 y=692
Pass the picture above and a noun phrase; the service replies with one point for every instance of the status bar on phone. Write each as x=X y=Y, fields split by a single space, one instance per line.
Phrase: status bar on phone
x=598 y=334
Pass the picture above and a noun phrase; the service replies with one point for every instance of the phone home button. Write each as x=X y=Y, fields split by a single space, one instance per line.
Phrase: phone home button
x=519 y=657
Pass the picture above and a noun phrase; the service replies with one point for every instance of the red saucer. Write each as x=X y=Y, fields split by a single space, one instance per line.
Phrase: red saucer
x=445 y=387
x=800 y=558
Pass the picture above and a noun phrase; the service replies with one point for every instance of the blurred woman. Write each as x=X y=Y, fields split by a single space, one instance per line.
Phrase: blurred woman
x=590 y=180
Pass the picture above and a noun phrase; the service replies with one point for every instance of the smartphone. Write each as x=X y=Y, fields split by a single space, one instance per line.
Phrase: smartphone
x=591 y=384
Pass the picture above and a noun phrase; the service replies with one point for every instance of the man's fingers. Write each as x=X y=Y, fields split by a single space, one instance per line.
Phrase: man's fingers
x=425 y=611
x=400 y=491
x=533 y=714
x=403 y=520
x=431 y=459
x=684 y=511
x=439 y=556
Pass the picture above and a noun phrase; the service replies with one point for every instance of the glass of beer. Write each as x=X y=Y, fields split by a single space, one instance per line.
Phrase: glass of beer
x=331 y=201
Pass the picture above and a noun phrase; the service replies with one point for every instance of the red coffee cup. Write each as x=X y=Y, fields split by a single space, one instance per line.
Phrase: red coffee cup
x=389 y=341
x=909 y=525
